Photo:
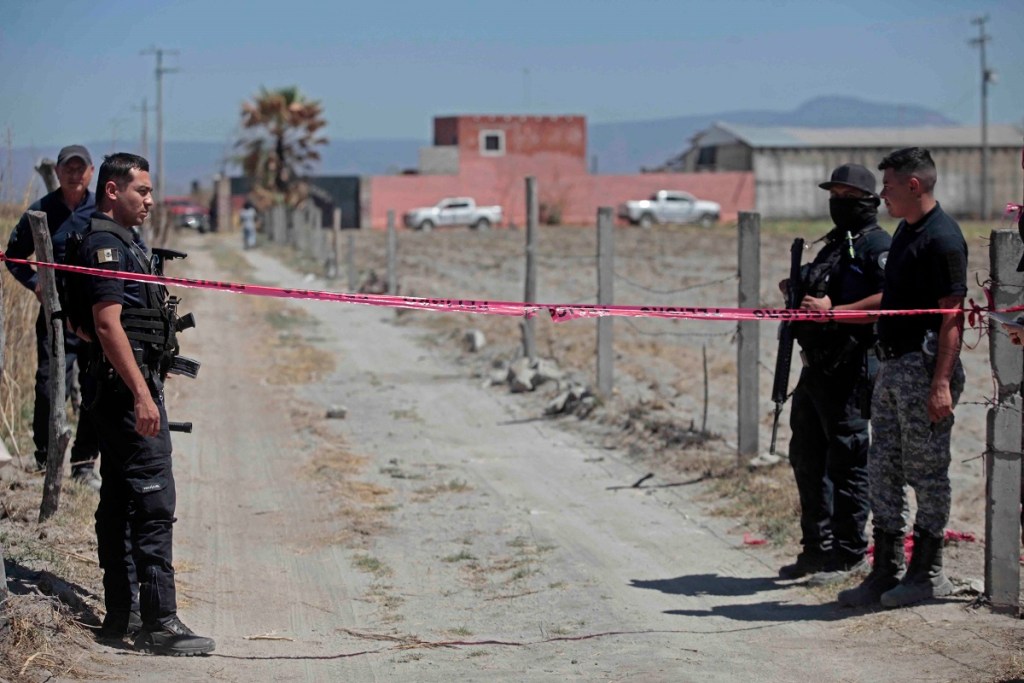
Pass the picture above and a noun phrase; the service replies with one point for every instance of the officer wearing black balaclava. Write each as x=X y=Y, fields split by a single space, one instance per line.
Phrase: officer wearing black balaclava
x=829 y=416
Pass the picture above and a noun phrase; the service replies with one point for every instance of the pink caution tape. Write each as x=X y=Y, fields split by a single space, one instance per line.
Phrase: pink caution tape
x=558 y=312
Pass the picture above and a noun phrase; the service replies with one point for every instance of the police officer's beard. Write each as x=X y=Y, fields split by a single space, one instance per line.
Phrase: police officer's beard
x=853 y=213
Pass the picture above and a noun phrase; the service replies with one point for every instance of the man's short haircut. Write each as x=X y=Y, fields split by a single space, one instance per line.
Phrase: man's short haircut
x=913 y=162
x=118 y=167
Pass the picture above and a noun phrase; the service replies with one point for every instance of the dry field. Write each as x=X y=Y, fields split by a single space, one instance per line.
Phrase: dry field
x=658 y=404
x=655 y=414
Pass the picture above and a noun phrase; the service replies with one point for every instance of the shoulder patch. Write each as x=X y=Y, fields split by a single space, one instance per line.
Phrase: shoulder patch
x=882 y=258
x=108 y=255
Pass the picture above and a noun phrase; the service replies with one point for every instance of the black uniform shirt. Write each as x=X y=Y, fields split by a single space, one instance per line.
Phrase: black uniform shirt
x=107 y=251
x=61 y=222
x=927 y=262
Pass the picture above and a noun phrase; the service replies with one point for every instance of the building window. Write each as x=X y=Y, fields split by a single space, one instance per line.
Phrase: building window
x=706 y=157
x=492 y=143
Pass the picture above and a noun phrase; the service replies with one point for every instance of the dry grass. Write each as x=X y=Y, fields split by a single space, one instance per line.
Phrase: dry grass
x=53 y=574
x=54 y=580
x=20 y=309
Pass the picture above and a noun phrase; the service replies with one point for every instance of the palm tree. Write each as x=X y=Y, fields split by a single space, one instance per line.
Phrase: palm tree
x=279 y=137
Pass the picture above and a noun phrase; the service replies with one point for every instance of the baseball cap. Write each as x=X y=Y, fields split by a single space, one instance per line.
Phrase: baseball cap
x=72 y=151
x=852 y=175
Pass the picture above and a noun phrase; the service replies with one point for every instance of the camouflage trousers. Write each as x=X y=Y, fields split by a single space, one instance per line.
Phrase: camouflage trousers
x=906 y=448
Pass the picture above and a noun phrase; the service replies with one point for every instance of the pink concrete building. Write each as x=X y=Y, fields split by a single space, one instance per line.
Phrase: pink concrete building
x=488 y=157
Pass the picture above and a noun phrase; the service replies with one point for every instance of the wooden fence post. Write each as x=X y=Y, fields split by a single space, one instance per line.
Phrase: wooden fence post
x=748 y=340
x=605 y=297
x=392 y=247
x=47 y=169
x=222 y=188
x=334 y=259
x=350 y=262
x=60 y=433
x=1003 y=438
x=530 y=293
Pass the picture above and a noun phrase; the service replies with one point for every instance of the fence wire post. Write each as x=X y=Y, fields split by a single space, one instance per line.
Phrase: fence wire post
x=350 y=261
x=392 y=276
x=59 y=431
x=1003 y=436
x=334 y=259
x=748 y=340
x=605 y=297
x=530 y=295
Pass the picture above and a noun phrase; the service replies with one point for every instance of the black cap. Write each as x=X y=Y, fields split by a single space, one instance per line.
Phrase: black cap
x=72 y=151
x=852 y=175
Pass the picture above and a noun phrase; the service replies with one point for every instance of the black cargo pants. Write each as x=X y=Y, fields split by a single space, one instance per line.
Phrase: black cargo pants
x=135 y=516
x=829 y=454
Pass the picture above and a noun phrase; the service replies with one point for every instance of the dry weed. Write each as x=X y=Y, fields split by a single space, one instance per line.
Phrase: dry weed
x=20 y=309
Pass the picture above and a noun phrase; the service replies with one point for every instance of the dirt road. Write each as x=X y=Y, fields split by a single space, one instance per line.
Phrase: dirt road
x=441 y=532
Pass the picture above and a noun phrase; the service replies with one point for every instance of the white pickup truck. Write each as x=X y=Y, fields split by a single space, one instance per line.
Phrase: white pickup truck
x=669 y=206
x=453 y=211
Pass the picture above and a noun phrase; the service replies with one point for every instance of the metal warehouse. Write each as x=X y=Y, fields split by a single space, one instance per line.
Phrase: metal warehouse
x=788 y=163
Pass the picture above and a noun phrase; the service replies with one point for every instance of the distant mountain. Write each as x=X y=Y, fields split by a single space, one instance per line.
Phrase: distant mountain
x=628 y=146
x=623 y=147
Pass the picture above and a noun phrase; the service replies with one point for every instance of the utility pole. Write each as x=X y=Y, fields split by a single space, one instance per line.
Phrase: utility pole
x=160 y=71
x=987 y=76
x=115 y=126
x=145 y=109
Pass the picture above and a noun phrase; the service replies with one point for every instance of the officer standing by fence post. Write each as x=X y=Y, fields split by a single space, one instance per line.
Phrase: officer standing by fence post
x=67 y=209
x=918 y=385
x=137 y=500
x=829 y=447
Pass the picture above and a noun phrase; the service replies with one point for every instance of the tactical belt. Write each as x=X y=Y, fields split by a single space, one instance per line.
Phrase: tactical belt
x=886 y=351
x=833 y=357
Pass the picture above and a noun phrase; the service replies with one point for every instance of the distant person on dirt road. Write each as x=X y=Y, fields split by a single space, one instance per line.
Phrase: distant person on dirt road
x=918 y=386
x=829 y=448
x=67 y=210
x=135 y=516
x=248 y=217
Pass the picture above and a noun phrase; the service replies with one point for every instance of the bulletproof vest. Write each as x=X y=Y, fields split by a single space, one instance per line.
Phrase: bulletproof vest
x=816 y=279
x=152 y=327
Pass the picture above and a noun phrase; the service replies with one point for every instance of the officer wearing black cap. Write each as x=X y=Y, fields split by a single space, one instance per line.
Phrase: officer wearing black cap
x=67 y=210
x=829 y=447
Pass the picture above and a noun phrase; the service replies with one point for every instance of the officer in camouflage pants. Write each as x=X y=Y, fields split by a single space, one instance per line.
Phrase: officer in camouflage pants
x=908 y=448
x=918 y=385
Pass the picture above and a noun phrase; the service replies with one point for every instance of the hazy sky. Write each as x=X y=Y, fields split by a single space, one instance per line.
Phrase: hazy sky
x=73 y=71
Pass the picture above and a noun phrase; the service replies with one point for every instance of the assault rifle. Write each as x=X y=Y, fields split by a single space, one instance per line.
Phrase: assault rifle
x=178 y=365
x=794 y=294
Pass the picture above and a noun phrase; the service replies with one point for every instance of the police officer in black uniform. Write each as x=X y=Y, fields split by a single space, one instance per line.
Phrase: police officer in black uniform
x=68 y=209
x=135 y=515
x=829 y=447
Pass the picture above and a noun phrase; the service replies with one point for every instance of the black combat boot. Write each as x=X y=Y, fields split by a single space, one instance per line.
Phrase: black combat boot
x=807 y=562
x=119 y=624
x=885 y=572
x=172 y=638
x=924 y=579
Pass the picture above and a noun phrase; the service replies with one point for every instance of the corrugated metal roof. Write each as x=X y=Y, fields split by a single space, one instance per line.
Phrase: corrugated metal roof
x=999 y=135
